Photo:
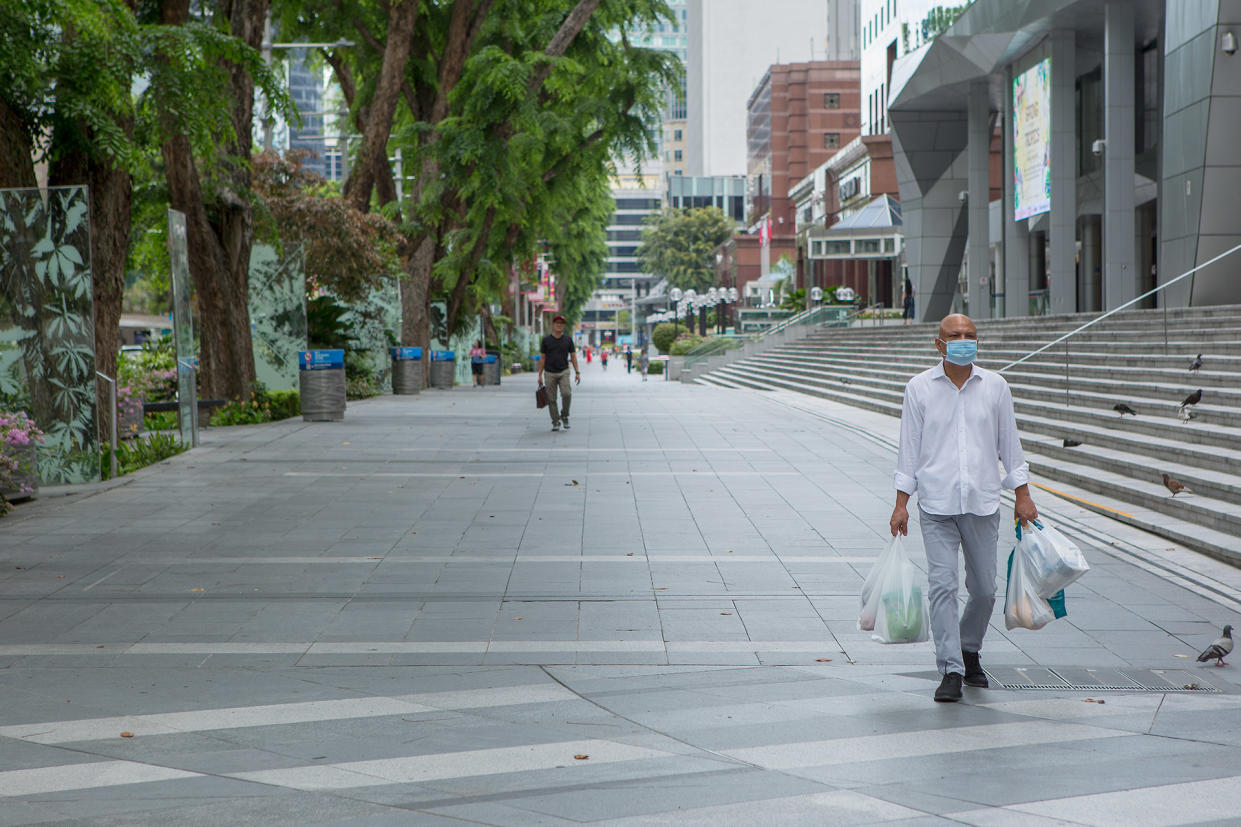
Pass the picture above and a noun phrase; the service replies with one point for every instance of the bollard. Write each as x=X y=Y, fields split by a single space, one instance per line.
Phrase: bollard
x=443 y=369
x=406 y=371
x=491 y=369
x=322 y=382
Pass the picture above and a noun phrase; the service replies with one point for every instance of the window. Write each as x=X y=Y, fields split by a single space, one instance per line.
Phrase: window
x=677 y=135
x=831 y=140
x=831 y=100
x=638 y=204
x=868 y=245
x=676 y=155
x=837 y=248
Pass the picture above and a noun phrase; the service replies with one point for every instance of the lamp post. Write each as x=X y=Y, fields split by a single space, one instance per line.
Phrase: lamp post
x=675 y=294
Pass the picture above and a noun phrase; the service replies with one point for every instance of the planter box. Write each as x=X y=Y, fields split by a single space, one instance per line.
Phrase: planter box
x=26 y=476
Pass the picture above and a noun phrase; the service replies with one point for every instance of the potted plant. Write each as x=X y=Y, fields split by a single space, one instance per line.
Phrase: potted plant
x=19 y=470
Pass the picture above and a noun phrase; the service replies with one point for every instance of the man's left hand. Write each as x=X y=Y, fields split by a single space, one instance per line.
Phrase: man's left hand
x=1024 y=510
x=578 y=377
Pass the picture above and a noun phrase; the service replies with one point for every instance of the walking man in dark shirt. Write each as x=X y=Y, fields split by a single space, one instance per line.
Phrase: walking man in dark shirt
x=558 y=352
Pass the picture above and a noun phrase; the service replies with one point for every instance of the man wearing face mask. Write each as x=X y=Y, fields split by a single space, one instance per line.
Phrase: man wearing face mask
x=957 y=418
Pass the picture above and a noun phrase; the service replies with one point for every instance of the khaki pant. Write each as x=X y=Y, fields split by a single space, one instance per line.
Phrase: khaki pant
x=976 y=537
x=558 y=382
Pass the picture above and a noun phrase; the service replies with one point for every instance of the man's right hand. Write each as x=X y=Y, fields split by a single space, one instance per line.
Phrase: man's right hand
x=900 y=521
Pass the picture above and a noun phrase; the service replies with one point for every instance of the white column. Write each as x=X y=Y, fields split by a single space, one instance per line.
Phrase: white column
x=1119 y=267
x=1016 y=235
x=978 y=149
x=1062 y=285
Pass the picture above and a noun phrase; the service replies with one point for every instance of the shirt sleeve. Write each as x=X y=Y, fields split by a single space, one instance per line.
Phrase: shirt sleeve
x=911 y=442
x=543 y=345
x=1008 y=442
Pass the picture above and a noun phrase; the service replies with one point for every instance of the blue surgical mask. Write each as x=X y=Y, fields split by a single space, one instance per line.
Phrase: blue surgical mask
x=961 y=351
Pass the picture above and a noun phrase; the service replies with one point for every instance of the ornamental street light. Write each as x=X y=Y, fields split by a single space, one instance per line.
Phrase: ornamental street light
x=675 y=294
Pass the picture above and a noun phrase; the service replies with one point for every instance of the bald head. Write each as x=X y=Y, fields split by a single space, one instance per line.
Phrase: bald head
x=957 y=326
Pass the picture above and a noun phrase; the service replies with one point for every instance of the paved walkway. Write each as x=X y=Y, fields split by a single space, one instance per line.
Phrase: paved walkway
x=439 y=612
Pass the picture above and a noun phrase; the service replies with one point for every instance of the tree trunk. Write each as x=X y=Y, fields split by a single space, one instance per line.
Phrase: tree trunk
x=16 y=164
x=373 y=154
x=416 y=301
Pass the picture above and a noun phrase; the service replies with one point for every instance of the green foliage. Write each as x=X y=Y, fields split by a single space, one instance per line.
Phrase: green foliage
x=140 y=453
x=664 y=334
x=656 y=368
x=262 y=406
x=685 y=343
x=362 y=387
x=794 y=300
x=284 y=404
x=150 y=372
x=161 y=421
x=680 y=245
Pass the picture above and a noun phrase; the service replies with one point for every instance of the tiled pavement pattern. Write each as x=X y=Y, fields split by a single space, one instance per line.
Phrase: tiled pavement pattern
x=423 y=614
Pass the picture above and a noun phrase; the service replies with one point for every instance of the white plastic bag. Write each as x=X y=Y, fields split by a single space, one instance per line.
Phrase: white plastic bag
x=1054 y=560
x=1024 y=607
x=893 y=605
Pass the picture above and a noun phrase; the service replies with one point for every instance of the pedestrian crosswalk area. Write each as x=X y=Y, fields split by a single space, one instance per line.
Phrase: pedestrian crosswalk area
x=640 y=745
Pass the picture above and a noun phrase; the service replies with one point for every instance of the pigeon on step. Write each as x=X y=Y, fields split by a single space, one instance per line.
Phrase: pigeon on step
x=1186 y=414
x=1193 y=399
x=1196 y=365
x=1122 y=409
x=1071 y=443
x=1218 y=649
x=1174 y=486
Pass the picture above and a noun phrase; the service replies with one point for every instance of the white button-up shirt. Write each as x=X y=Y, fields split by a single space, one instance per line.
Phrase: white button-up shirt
x=950 y=439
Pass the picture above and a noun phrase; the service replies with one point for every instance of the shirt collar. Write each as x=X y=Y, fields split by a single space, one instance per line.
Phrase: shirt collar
x=938 y=373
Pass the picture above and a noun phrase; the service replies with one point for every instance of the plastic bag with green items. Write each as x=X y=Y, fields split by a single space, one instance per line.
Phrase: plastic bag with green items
x=892 y=599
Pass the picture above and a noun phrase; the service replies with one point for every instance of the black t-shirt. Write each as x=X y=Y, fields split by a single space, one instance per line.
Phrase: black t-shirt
x=556 y=353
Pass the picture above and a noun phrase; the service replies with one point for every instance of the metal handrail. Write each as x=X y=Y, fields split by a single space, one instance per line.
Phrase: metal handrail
x=114 y=440
x=1127 y=304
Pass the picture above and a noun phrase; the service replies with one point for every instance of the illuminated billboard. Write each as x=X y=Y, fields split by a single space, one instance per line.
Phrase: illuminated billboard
x=1032 y=141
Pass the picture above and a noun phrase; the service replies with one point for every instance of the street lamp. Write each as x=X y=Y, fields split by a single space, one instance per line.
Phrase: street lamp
x=816 y=294
x=675 y=294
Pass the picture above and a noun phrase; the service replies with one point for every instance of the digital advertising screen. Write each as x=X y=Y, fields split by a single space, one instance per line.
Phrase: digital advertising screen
x=1032 y=141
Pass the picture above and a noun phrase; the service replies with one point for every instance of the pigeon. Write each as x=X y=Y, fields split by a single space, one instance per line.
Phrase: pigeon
x=1186 y=414
x=1218 y=649
x=1196 y=365
x=1071 y=443
x=1193 y=399
x=1174 y=486
x=1122 y=409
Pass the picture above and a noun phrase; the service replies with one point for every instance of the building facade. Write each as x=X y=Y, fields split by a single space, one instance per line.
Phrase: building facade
x=1116 y=122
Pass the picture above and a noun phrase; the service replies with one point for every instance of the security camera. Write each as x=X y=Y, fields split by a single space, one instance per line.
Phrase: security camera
x=963 y=196
x=1098 y=146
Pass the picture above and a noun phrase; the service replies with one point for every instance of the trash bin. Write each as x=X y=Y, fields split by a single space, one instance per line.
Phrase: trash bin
x=491 y=369
x=322 y=381
x=443 y=368
x=406 y=370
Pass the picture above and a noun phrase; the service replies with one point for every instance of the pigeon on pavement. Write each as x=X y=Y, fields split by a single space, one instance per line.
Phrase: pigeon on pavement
x=1218 y=649
x=1193 y=399
x=1196 y=365
x=1122 y=409
x=1071 y=443
x=1174 y=486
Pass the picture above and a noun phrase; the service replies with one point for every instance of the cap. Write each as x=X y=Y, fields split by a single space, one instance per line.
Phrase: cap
x=557 y=318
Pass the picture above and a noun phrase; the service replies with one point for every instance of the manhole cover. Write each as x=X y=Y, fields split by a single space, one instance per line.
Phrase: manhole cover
x=1085 y=679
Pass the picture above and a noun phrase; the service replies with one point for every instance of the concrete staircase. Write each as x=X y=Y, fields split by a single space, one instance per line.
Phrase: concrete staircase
x=1122 y=359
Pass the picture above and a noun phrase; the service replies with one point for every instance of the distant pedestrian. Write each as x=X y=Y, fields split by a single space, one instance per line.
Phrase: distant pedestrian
x=477 y=357
x=603 y=357
x=907 y=302
x=644 y=363
x=558 y=352
x=628 y=359
x=586 y=350
x=955 y=419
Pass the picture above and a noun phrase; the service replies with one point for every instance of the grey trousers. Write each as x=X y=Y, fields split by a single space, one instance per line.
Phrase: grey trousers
x=558 y=382
x=942 y=535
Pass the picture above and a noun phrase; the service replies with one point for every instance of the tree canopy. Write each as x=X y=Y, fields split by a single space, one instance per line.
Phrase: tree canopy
x=680 y=244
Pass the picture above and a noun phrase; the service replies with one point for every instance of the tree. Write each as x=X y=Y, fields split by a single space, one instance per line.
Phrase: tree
x=680 y=245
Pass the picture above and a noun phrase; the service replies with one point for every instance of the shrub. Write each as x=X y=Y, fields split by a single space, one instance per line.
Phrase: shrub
x=685 y=343
x=656 y=368
x=284 y=404
x=250 y=411
x=140 y=454
x=17 y=431
x=161 y=421
x=150 y=373
x=664 y=334
x=362 y=387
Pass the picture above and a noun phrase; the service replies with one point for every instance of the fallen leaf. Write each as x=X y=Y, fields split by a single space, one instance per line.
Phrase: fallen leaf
x=374 y=558
x=661 y=588
x=581 y=757
x=630 y=554
x=127 y=735
x=198 y=590
x=1180 y=656
x=822 y=660
x=100 y=646
x=346 y=443
x=1186 y=686
x=517 y=618
x=60 y=577
x=725 y=613
x=1092 y=701
x=413 y=532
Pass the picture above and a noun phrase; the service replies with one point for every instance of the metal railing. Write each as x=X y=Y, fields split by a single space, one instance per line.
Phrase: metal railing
x=114 y=441
x=1116 y=310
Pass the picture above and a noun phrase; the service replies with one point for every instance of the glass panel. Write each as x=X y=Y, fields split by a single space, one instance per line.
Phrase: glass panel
x=838 y=247
x=374 y=325
x=278 y=315
x=47 y=330
x=183 y=327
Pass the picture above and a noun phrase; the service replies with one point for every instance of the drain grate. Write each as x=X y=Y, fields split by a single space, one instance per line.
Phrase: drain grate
x=1083 y=679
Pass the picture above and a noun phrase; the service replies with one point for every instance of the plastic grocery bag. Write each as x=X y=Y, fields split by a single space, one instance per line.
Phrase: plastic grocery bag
x=1024 y=607
x=1054 y=560
x=892 y=602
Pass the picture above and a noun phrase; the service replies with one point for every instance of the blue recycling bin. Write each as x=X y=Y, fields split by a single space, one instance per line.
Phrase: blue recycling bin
x=406 y=371
x=443 y=369
x=321 y=379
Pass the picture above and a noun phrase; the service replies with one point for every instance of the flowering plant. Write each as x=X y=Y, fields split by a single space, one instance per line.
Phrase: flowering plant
x=17 y=433
x=129 y=406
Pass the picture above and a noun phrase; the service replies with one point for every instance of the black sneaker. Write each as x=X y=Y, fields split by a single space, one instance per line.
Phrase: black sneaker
x=565 y=424
x=974 y=676
x=555 y=426
x=949 y=689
